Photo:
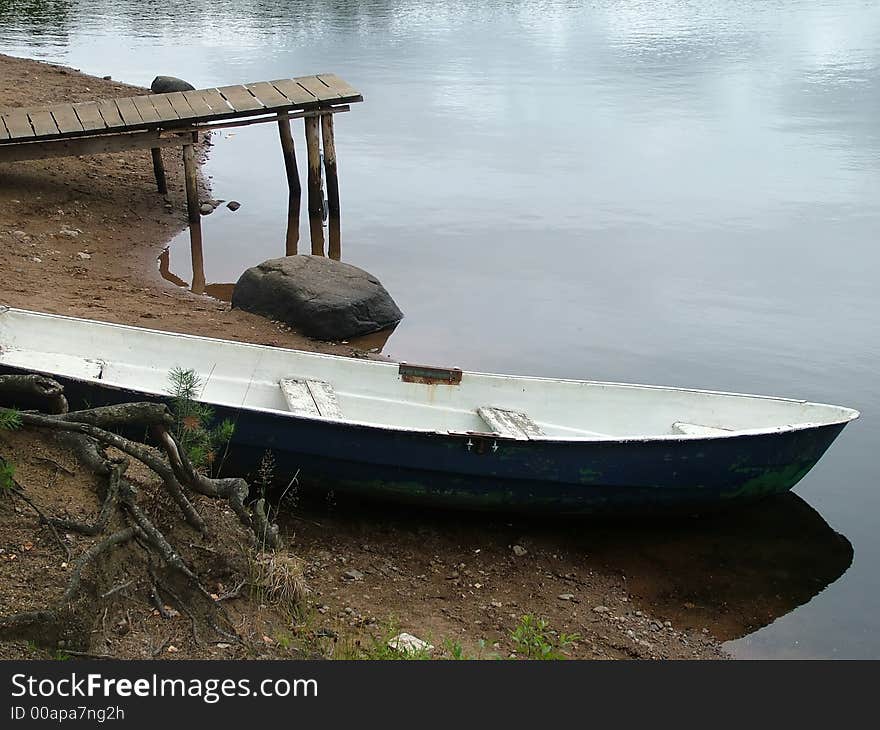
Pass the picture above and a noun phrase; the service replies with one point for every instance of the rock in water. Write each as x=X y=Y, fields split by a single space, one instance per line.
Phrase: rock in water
x=164 y=84
x=322 y=298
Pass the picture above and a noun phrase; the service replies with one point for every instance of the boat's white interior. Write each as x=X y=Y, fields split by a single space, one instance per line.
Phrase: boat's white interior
x=337 y=388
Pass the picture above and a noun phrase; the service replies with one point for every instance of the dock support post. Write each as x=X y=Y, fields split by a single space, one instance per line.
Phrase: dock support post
x=195 y=219
x=330 y=171
x=159 y=170
x=316 y=196
x=293 y=184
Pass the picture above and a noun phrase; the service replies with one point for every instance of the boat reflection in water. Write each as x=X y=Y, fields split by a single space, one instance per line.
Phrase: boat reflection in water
x=732 y=572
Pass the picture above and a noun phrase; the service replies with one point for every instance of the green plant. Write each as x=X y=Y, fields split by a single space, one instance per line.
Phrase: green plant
x=10 y=419
x=194 y=428
x=7 y=476
x=455 y=650
x=534 y=639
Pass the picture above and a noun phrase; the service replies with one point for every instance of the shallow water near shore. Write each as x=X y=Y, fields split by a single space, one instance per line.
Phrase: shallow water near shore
x=671 y=192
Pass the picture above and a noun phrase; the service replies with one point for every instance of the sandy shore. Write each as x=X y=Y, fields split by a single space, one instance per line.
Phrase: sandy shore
x=118 y=220
x=81 y=236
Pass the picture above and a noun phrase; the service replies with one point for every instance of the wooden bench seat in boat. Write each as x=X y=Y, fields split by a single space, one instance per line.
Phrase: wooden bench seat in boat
x=310 y=397
x=513 y=424
x=695 y=429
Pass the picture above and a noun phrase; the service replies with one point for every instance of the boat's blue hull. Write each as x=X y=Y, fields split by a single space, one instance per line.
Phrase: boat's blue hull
x=482 y=472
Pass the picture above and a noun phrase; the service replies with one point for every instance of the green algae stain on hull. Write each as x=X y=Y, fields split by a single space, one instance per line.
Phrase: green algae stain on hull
x=771 y=481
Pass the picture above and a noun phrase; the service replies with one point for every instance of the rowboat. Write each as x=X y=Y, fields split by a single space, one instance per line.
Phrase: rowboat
x=442 y=436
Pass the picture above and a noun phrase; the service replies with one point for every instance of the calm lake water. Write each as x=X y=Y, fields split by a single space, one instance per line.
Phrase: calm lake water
x=676 y=192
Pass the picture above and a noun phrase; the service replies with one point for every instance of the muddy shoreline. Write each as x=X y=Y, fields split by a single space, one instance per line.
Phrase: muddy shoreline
x=81 y=237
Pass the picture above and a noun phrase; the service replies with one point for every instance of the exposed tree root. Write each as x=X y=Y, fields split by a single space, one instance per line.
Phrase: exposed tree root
x=89 y=433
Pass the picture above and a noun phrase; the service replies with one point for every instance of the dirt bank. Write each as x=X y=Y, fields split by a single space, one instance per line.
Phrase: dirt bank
x=81 y=236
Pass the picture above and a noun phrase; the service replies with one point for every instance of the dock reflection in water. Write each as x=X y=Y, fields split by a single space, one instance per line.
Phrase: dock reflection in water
x=176 y=267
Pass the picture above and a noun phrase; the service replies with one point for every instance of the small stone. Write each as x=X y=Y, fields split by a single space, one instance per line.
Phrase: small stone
x=495 y=604
x=233 y=205
x=69 y=232
x=601 y=609
x=407 y=644
x=565 y=596
x=353 y=575
x=323 y=609
x=222 y=646
x=172 y=649
x=107 y=78
x=21 y=235
x=519 y=550
x=206 y=209
x=37 y=260
x=83 y=255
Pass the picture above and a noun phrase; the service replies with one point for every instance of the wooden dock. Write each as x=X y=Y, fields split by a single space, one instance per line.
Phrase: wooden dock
x=156 y=121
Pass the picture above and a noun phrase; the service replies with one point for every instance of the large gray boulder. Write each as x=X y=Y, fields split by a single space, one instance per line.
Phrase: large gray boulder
x=166 y=84
x=320 y=297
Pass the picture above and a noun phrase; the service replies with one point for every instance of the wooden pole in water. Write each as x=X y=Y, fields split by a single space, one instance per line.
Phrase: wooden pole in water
x=159 y=170
x=195 y=219
x=316 y=196
x=316 y=231
x=293 y=184
x=334 y=246
x=330 y=165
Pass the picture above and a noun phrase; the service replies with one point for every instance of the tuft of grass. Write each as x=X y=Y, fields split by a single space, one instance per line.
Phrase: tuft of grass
x=279 y=580
x=265 y=473
x=194 y=422
x=534 y=639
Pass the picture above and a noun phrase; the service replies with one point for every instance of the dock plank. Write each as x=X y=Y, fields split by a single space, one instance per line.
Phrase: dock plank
x=293 y=91
x=317 y=87
x=43 y=124
x=240 y=98
x=268 y=94
x=163 y=108
x=197 y=104
x=145 y=109
x=66 y=119
x=181 y=105
x=178 y=109
x=89 y=116
x=214 y=99
x=129 y=113
x=18 y=124
x=110 y=113
x=341 y=87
